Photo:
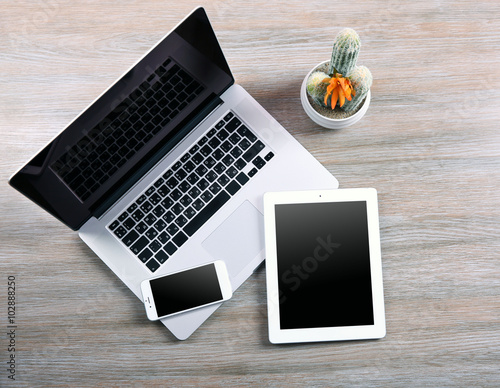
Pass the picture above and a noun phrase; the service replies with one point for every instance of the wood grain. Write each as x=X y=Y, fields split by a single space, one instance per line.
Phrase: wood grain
x=429 y=143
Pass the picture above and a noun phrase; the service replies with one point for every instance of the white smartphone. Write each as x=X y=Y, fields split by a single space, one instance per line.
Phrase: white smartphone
x=186 y=290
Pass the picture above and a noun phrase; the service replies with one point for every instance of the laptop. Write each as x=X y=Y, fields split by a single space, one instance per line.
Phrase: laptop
x=167 y=168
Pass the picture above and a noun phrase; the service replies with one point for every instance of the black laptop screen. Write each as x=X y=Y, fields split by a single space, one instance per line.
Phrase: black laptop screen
x=130 y=126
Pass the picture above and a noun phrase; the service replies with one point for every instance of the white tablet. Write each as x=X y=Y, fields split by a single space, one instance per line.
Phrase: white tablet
x=323 y=266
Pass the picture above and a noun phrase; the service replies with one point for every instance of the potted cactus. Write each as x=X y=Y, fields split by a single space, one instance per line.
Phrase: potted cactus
x=336 y=93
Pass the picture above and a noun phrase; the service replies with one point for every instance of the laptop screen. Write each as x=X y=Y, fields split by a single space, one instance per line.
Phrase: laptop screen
x=130 y=126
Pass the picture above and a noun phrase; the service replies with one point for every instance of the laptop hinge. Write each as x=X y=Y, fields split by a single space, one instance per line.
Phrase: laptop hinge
x=189 y=123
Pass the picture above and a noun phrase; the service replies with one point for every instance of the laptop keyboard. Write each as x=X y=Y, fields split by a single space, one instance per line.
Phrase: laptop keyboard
x=198 y=184
x=125 y=130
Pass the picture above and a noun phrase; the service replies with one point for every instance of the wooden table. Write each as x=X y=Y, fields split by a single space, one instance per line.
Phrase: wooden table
x=429 y=143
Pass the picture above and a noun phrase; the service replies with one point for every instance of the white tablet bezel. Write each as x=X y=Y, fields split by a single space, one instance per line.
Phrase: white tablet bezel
x=276 y=334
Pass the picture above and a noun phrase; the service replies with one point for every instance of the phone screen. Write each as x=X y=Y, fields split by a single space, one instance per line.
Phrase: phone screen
x=185 y=290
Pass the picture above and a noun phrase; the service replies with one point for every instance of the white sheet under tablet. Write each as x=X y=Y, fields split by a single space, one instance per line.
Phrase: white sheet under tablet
x=323 y=266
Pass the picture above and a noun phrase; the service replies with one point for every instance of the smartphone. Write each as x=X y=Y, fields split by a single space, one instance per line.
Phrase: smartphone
x=186 y=290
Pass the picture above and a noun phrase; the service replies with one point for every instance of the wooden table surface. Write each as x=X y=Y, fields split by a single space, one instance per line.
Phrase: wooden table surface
x=429 y=143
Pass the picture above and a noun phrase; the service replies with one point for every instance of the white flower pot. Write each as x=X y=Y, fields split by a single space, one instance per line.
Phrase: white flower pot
x=326 y=121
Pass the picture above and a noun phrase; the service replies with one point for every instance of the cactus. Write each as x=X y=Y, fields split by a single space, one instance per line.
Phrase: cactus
x=361 y=79
x=315 y=88
x=345 y=52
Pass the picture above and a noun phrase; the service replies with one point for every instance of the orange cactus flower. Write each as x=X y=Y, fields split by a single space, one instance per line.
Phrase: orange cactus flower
x=339 y=88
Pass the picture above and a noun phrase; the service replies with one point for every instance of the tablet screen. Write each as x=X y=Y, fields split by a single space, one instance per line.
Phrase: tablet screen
x=323 y=261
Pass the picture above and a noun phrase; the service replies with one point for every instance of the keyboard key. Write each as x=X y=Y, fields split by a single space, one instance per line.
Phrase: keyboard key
x=244 y=144
x=240 y=163
x=219 y=168
x=159 y=182
x=202 y=184
x=206 y=150
x=215 y=188
x=146 y=207
x=252 y=172
x=209 y=162
x=123 y=217
x=211 y=176
x=253 y=151
x=234 y=138
x=167 y=203
x=170 y=248
x=259 y=162
x=155 y=198
x=197 y=158
x=172 y=229
x=231 y=172
x=172 y=183
x=163 y=237
x=269 y=156
x=137 y=215
x=114 y=225
x=181 y=221
x=233 y=124
x=211 y=132
x=160 y=225
x=206 y=196
x=120 y=232
x=158 y=211
x=139 y=245
x=189 y=166
x=184 y=186
x=175 y=195
x=226 y=146
x=153 y=265
x=201 y=170
x=151 y=233
x=218 y=154
x=194 y=192
x=145 y=255
x=169 y=217
x=141 y=227
x=180 y=174
x=177 y=208
x=186 y=200
x=214 y=143
x=236 y=152
x=233 y=187
x=130 y=238
x=189 y=212
x=228 y=160
x=129 y=223
x=150 y=219
x=198 y=204
x=194 y=149
x=223 y=180
x=163 y=191
x=161 y=256
x=179 y=239
x=155 y=246
x=229 y=116
x=223 y=134
x=209 y=210
x=242 y=178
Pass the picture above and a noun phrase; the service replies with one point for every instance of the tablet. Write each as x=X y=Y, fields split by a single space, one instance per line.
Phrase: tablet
x=323 y=266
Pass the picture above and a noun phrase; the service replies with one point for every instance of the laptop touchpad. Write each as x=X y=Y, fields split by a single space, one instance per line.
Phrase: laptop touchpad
x=238 y=239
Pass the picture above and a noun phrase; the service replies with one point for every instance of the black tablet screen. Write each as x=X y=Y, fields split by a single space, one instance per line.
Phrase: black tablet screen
x=323 y=265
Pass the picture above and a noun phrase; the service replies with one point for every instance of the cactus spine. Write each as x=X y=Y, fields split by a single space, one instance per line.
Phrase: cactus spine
x=361 y=79
x=345 y=52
